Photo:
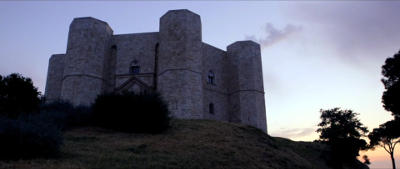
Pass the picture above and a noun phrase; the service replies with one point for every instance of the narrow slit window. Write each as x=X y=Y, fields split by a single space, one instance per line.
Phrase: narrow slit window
x=211 y=77
x=211 y=108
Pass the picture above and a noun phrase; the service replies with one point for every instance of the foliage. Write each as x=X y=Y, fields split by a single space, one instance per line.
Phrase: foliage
x=28 y=137
x=342 y=131
x=386 y=136
x=24 y=133
x=338 y=124
x=17 y=95
x=130 y=112
x=391 y=81
x=65 y=115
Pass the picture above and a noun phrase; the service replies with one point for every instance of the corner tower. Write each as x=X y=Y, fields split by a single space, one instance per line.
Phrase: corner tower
x=247 y=90
x=54 y=77
x=88 y=45
x=180 y=64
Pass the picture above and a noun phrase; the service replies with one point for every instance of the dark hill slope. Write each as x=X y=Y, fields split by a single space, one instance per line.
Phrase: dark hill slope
x=189 y=144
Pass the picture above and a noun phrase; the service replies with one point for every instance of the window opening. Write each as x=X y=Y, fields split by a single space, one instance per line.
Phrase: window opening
x=135 y=69
x=211 y=108
x=211 y=77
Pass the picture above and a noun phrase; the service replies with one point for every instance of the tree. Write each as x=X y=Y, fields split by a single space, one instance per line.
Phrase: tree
x=391 y=81
x=17 y=95
x=386 y=136
x=342 y=131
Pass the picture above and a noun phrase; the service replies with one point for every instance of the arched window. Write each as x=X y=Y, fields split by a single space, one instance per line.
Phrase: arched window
x=134 y=67
x=211 y=77
x=211 y=108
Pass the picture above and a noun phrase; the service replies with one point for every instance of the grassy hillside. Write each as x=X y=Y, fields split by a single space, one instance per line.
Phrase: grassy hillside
x=189 y=144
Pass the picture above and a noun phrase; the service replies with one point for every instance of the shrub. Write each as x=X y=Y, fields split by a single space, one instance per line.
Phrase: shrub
x=129 y=112
x=65 y=115
x=28 y=137
x=17 y=96
x=24 y=132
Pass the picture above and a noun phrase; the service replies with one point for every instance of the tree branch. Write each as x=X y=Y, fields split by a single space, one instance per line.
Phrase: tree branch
x=384 y=147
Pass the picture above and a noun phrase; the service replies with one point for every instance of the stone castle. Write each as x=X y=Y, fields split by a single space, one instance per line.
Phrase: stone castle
x=197 y=80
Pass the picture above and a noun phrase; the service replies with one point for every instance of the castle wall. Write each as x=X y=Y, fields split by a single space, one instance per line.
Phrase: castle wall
x=88 y=44
x=247 y=91
x=54 y=77
x=109 y=69
x=174 y=61
x=215 y=60
x=233 y=87
x=180 y=63
x=140 y=47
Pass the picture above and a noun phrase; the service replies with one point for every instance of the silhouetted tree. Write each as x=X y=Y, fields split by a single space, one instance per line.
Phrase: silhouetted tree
x=342 y=131
x=386 y=136
x=17 y=95
x=391 y=81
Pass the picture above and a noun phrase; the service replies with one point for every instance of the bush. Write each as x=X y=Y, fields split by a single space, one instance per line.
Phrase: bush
x=65 y=115
x=17 y=96
x=28 y=137
x=129 y=112
x=24 y=132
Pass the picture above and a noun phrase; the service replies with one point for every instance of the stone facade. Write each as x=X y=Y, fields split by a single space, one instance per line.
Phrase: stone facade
x=198 y=81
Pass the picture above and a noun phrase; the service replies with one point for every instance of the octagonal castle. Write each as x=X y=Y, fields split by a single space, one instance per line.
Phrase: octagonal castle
x=197 y=80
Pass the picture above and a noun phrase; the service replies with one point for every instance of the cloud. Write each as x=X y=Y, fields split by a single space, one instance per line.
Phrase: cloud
x=355 y=31
x=293 y=133
x=274 y=35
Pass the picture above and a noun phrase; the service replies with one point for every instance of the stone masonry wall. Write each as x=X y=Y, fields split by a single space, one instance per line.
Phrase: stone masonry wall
x=174 y=59
x=139 y=47
x=180 y=63
x=88 y=43
x=247 y=95
x=54 y=77
x=215 y=60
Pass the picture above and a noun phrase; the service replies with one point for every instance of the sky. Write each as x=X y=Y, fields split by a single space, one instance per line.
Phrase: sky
x=315 y=54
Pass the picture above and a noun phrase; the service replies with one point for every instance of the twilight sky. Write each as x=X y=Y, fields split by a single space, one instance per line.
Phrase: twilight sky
x=316 y=55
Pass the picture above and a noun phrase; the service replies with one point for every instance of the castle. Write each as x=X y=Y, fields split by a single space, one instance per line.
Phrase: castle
x=197 y=80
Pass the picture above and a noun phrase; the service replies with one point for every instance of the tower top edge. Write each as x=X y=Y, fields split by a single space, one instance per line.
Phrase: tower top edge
x=244 y=43
x=180 y=11
x=89 y=19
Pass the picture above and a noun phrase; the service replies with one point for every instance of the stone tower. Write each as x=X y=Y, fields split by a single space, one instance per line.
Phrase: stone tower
x=55 y=77
x=88 y=45
x=179 y=63
x=247 y=91
x=198 y=80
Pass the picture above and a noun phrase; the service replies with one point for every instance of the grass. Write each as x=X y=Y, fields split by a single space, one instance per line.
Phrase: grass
x=188 y=144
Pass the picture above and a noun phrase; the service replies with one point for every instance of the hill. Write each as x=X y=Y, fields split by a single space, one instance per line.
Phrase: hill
x=189 y=144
